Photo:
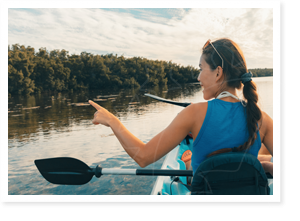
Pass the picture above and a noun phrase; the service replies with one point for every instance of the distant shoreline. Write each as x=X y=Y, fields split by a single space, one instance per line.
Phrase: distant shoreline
x=31 y=72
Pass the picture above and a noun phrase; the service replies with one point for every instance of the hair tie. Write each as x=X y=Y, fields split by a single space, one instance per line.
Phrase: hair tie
x=246 y=77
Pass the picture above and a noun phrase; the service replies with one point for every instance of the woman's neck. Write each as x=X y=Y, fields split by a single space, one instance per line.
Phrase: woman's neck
x=229 y=98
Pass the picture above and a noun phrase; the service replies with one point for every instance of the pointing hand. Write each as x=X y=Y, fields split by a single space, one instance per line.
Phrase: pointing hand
x=101 y=116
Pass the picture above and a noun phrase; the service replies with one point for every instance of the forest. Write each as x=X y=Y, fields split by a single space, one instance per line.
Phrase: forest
x=32 y=72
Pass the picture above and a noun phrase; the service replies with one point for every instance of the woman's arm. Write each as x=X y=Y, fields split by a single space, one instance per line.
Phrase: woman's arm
x=157 y=147
x=267 y=144
x=268 y=138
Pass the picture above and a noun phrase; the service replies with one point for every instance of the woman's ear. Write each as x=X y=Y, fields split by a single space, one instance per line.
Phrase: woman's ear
x=219 y=75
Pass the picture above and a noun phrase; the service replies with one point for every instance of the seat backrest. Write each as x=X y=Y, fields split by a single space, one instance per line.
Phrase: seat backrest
x=230 y=174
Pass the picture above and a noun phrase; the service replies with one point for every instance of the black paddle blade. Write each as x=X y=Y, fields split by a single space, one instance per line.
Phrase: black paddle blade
x=64 y=170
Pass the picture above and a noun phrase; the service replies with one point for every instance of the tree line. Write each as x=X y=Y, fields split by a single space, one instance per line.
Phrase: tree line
x=262 y=72
x=36 y=72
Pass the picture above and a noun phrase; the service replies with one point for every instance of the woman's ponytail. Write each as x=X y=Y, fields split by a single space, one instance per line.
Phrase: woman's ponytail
x=253 y=113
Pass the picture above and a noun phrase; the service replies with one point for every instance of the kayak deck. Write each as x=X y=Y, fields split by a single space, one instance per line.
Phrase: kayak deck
x=164 y=185
x=173 y=162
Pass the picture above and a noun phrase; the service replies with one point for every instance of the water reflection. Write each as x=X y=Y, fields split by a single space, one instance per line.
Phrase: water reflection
x=44 y=113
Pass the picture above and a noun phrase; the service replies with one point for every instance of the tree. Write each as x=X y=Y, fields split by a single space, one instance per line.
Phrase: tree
x=30 y=72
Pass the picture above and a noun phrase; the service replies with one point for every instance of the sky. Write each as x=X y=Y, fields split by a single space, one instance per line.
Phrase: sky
x=170 y=34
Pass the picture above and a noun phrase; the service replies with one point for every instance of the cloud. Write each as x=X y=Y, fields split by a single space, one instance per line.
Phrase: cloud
x=170 y=34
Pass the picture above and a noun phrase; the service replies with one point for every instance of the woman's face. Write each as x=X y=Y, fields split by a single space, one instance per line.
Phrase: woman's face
x=207 y=79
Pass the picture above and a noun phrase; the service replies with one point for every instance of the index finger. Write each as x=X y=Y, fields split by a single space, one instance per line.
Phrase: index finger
x=94 y=105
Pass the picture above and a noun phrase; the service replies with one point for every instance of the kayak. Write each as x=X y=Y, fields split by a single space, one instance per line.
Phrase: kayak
x=164 y=185
x=173 y=162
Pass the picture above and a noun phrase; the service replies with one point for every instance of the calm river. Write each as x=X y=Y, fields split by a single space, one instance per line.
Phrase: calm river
x=59 y=125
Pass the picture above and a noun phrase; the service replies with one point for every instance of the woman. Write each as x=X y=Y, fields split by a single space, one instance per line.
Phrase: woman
x=220 y=125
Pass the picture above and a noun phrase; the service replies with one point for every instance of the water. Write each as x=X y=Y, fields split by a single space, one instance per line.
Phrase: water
x=56 y=127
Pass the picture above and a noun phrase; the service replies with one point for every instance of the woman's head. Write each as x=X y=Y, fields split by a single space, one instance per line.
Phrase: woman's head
x=222 y=64
x=226 y=61
x=209 y=79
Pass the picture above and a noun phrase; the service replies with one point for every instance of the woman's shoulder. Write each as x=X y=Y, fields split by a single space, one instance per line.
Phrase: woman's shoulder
x=194 y=110
x=265 y=119
x=198 y=109
x=199 y=105
x=265 y=123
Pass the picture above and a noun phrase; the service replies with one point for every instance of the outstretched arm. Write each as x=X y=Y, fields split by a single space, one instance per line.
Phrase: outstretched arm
x=157 y=147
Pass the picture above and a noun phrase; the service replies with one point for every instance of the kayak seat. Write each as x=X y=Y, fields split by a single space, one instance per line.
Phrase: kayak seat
x=231 y=173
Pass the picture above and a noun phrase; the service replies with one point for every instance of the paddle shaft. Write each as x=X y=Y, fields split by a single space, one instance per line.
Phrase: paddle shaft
x=148 y=172
x=142 y=172
x=138 y=172
x=182 y=104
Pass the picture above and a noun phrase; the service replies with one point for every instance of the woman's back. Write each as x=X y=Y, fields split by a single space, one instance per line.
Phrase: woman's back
x=224 y=126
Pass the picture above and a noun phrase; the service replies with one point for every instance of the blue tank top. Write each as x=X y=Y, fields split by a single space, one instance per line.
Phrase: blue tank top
x=224 y=126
